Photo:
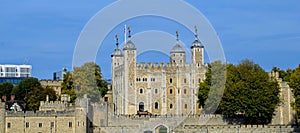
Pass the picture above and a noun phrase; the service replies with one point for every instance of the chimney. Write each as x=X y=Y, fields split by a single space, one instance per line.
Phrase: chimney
x=12 y=97
x=3 y=98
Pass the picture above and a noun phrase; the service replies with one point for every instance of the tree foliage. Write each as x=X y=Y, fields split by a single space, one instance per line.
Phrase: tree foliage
x=38 y=94
x=285 y=75
x=86 y=79
x=24 y=87
x=68 y=87
x=249 y=92
x=213 y=85
x=295 y=85
x=6 y=89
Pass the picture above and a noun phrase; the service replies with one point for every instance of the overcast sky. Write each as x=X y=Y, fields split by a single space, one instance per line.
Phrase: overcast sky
x=44 y=33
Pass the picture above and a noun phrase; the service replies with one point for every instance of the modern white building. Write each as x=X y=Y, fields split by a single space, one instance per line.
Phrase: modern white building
x=15 y=71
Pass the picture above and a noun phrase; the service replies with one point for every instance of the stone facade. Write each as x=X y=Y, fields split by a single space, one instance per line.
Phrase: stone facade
x=284 y=113
x=161 y=89
x=56 y=120
x=54 y=84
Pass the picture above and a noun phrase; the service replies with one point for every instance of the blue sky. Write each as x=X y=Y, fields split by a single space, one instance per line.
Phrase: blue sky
x=44 y=33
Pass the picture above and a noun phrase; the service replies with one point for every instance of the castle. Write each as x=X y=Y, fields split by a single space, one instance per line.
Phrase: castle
x=158 y=88
x=168 y=91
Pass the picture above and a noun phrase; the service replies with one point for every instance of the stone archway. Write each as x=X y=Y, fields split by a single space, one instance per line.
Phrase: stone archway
x=141 y=106
x=161 y=129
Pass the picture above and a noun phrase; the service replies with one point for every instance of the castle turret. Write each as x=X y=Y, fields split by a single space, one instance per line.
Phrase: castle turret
x=197 y=51
x=130 y=70
x=177 y=54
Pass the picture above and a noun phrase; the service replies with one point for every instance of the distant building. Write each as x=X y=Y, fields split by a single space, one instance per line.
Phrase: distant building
x=14 y=73
x=60 y=74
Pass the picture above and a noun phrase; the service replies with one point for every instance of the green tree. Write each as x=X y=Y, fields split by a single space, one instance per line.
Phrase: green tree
x=249 y=92
x=212 y=86
x=295 y=84
x=38 y=94
x=87 y=79
x=6 y=89
x=68 y=87
x=24 y=87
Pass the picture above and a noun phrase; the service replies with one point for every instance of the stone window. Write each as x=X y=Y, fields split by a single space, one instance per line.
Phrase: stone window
x=27 y=124
x=171 y=91
x=152 y=79
x=40 y=124
x=156 y=105
x=141 y=91
x=171 y=80
x=171 y=106
x=8 y=125
x=70 y=124
x=52 y=124
x=199 y=80
x=184 y=91
x=184 y=81
x=155 y=91
x=185 y=106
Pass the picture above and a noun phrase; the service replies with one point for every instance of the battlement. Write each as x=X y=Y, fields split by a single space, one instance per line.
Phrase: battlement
x=55 y=105
x=50 y=82
x=161 y=65
x=40 y=113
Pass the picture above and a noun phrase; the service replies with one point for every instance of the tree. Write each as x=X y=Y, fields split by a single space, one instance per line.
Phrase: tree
x=211 y=90
x=295 y=85
x=249 y=93
x=87 y=79
x=24 y=87
x=252 y=93
x=68 y=87
x=6 y=89
x=38 y=94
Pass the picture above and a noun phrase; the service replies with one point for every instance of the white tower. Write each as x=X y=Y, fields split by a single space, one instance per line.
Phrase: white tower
x=129 y=75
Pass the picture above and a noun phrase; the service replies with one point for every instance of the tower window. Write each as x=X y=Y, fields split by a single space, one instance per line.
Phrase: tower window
x=141 y=91
x=155 y=91
x=156 y=105
x=171 y=91
x=40 y=124
x=70 y=124
x=171 y=80
x=199 y=80
x=171 y=106
x=184 y=81
x=184 y=91
x=52 y=124
x=185 y=106
x=8 y=125
x=27 y=124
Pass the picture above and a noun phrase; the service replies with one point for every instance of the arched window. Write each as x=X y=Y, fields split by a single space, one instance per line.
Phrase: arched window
x=184 y=91
x=155 y=91
x=156 y=105
x=184 y=81
x=171 y=106
x=141 y=91
x=185 y=106
x=171 y=80
x=171 y=91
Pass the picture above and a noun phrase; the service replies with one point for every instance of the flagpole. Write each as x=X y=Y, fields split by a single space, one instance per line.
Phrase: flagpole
x=125 y=27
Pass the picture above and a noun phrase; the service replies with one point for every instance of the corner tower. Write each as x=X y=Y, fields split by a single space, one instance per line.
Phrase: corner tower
x=129 y=76
x=177 y=54
x=197 y=51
